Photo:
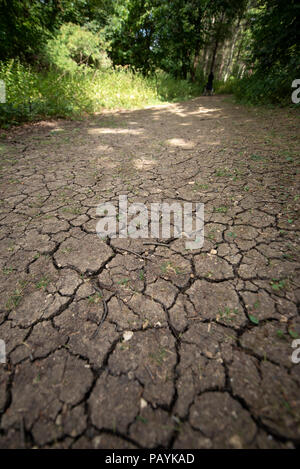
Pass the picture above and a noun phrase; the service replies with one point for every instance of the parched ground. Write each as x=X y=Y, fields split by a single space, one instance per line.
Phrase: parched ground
x=126 y=344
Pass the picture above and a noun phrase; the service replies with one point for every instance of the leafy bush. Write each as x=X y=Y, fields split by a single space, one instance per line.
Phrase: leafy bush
x=21 y=91
x=31 y=95
x=274 y=54
x=170 y=88
x=76 y=47
x=272 y=88
x=226 y=87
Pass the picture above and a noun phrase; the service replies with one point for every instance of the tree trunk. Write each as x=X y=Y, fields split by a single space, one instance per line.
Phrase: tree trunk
x=235 y=38
x=214 y=54
x=215 y=49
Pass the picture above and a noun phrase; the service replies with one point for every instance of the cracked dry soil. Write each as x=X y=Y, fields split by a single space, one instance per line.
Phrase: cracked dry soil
x=209 y=362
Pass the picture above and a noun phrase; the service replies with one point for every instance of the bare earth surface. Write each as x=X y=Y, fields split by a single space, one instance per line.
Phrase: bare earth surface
x=195 y=350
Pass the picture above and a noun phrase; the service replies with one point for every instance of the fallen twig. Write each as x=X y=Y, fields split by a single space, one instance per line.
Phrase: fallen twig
x=150 y=374
x=156 y=244
x=105 y=310
x=136 y=254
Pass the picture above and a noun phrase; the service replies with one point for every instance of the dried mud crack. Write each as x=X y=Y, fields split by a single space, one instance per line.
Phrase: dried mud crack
x=206 y=360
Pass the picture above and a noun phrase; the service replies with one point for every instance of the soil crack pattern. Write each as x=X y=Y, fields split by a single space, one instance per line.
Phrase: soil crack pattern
x=142 y=343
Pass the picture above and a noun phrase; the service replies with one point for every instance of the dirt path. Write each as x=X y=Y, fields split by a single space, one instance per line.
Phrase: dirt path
x=209 y=361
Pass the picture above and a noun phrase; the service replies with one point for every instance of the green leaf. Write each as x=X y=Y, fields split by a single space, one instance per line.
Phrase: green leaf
x=293 y=334
x=253 y=319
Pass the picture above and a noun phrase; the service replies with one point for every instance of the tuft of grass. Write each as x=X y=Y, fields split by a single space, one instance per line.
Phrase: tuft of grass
x=222 y=173
x=278 y=285
x=14 y=300
x=222 y=209
x=94 y=299
x=7 y=270
x=43 y=283
x=159 y=356
x=232 y=234
x=142 y=419
x=142 y=275
x=123 y=282
x=199 y=187
x=293 y=334
x=255 y=157
x=168 y=267
x=227 y=314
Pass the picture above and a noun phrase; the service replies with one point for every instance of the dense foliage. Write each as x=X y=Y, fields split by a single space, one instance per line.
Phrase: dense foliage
x=171 y=35
x=26 y=25
x=75 y=47
x=275 y=53
x=66 y=57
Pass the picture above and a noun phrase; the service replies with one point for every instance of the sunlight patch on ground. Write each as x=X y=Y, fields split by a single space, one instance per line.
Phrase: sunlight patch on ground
x=57 y=129
x=104 y=148
x=144 y=164
x=204 y=110
x=102 y=130
x=180 y=142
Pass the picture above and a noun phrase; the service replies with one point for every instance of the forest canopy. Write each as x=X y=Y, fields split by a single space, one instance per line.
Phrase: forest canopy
x=163 y=48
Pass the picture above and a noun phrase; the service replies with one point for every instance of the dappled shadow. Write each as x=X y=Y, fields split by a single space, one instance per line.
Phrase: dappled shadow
x=163 y=128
